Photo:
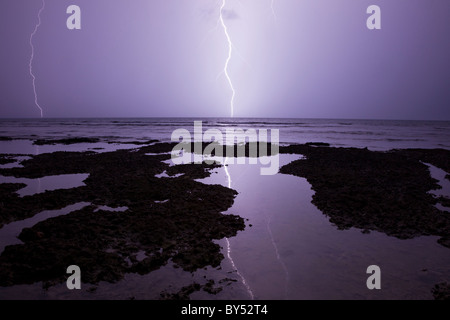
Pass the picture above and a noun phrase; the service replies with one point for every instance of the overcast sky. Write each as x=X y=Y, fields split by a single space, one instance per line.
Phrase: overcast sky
x=151 y=58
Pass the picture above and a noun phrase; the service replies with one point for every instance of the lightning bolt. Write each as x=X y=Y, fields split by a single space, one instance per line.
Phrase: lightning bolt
x=277 y=253
x=32 y=58
x=272 y=7
x=230 y=52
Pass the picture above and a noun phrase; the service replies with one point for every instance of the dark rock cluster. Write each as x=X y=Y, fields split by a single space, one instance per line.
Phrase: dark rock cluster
x=167 y=218
x=383 y=191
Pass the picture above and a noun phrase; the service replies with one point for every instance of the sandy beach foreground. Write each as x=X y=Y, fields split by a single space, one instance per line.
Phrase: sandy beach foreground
x=176 y=219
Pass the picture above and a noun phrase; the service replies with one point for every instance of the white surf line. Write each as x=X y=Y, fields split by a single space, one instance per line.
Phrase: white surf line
x=277 y=253
x=244 y=282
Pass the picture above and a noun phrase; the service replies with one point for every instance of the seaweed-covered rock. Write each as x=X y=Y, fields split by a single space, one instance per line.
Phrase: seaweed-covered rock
x=383 y=191
x=167 y=218
x=441 y=291
x=5 y=159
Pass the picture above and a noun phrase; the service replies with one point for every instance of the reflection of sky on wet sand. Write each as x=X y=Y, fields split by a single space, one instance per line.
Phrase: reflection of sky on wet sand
x=443 y=182
x=9 y=232
x=49 y=183
x=292 y=251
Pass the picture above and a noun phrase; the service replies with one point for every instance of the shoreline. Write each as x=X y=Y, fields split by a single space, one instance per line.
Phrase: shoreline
x=113 y=242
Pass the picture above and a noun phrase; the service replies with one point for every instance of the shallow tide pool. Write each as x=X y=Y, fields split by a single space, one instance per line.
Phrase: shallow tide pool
x=289 y=250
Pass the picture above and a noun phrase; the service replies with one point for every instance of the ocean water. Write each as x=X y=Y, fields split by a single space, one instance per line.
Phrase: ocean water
x=291 y=251
x=373 y=134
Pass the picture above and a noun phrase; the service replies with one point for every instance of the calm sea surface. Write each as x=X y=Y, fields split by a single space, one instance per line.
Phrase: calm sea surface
x=373 y=134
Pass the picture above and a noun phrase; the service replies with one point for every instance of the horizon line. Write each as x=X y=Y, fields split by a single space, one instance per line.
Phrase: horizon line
x=219 y=117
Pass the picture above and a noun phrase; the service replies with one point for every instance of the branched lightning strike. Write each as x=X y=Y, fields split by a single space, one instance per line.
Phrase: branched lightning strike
x=230 y=52
x=32 y=58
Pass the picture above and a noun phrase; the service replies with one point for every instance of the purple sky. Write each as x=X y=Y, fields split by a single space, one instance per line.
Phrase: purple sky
x=150 y=58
